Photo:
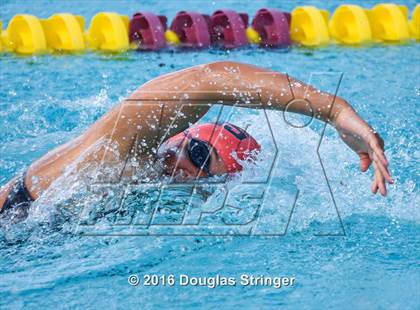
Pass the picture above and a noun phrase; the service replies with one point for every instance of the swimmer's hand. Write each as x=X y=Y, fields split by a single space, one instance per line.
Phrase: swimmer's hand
x=362 y=139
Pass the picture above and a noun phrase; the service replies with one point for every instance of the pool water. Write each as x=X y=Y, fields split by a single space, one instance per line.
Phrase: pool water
x=360 y=252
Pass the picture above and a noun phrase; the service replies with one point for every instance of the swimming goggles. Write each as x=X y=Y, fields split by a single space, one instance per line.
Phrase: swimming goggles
x=199 y=153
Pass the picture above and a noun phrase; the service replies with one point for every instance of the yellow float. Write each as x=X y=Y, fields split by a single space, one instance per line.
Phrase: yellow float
x=253 y=36
x=350 y=25
x=415 y=23
x=108 y=32
x=309 y=26
x=25 y=35
x=64 y=32
x=171 y=37
x=389 y=22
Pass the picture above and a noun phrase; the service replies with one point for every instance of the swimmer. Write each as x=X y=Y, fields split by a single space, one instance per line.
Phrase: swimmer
x=153 y=119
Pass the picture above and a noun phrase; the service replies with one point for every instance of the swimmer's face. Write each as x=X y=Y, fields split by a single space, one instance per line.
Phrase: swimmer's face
x=177 y=163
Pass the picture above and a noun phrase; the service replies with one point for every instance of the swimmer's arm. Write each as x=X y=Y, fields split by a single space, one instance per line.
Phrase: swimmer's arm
x=234 y=83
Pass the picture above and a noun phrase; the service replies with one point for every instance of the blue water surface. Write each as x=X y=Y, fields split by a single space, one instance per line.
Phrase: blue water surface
x=346 y=248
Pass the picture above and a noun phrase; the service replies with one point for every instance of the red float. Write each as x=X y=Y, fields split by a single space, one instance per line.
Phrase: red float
x=273 y=27
x=148 y=31
x=228 y=28
x=192 y=28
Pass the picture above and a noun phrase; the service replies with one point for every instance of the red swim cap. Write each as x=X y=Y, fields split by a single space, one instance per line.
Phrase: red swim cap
x=226 y=139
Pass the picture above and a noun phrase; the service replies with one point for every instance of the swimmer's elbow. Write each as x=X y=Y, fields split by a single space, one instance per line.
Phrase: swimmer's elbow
x=222 y=65
x=234 y=68
x=226 y=70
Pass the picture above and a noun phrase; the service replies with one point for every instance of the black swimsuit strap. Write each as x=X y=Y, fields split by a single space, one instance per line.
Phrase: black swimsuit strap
x=19 y=199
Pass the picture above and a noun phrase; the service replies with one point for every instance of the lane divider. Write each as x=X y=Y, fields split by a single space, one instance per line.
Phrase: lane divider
x=305 y=26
